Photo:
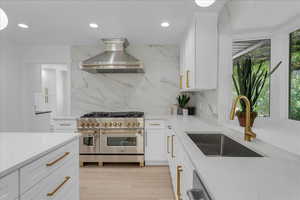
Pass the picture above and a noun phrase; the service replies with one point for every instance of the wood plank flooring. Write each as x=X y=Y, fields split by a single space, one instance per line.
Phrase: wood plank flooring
x=125 y=183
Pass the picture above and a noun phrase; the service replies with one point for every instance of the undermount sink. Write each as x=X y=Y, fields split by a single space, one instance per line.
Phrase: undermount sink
x=221 y=145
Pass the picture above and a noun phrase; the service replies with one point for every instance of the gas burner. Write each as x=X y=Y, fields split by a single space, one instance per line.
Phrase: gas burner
x=113 y=115
x=96 y=115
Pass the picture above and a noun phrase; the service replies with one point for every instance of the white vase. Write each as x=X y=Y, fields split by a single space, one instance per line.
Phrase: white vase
x=185 y=112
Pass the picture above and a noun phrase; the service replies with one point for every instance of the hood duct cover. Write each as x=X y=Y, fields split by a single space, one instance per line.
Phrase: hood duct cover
x=114 y=59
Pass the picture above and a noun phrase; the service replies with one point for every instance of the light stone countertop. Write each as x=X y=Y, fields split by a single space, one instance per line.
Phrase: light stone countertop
x=19 y=149
x=273 y=177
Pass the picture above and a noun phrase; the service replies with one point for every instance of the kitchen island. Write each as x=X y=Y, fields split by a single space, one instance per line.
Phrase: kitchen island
x=35 y=165
x=274 y=176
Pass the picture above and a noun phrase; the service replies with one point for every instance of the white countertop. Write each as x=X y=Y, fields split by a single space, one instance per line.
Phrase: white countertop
x=273 y=177
x=18 y=149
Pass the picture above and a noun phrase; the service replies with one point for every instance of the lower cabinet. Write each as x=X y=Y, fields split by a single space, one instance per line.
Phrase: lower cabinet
x=9 y=186
x=59 y=185
x=155 y=143
x=181 y=167
x=54 y=176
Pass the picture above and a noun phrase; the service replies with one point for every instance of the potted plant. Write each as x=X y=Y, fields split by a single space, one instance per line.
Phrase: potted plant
x=250 y=82
x=182 y=100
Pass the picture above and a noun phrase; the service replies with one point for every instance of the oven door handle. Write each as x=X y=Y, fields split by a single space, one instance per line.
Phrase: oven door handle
x=121 y=132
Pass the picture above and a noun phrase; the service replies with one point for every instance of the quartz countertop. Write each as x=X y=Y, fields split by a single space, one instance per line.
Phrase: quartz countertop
x=275 y=176
x=19 y=149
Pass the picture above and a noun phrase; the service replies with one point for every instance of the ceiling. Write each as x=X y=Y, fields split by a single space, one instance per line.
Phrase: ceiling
x=67 y=21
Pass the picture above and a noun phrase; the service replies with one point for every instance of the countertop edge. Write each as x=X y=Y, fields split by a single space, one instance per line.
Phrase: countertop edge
x=35 y=157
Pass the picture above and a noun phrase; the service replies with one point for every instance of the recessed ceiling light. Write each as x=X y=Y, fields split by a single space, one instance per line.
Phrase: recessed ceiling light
x=94 y=25
x=23 y=26
x=205 y=3
x=165 y=24
x=3 y=20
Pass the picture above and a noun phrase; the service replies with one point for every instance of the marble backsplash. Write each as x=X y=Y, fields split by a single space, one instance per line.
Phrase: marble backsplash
x=153 y=92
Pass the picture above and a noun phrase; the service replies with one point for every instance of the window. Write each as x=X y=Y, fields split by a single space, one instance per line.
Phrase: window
x=258 y=50
x=294 y=78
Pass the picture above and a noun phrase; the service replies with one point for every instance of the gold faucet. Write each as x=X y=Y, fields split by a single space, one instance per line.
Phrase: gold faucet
x=249 y=135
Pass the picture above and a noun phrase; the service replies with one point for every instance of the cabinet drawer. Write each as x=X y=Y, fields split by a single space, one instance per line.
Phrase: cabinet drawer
x=9 y=187
x=32 y=173
x=60 y=185
x=65 y=124
x=154 y=124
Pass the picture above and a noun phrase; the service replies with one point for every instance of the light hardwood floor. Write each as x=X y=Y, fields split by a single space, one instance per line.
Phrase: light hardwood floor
x=125 y=183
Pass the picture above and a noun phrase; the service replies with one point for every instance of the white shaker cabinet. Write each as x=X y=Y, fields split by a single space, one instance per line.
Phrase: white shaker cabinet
x=181 y=167
x=155 y=143
x=199 y=54
x=9 y=189
x=54 y=175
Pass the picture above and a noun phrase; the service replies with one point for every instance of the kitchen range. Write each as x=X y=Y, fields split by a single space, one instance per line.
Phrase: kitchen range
x=111 y=137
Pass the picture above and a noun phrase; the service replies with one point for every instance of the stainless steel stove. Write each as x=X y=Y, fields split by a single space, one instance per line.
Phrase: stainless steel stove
x=112 y=137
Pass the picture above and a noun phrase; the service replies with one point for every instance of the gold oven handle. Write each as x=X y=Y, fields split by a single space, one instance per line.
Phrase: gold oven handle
x=172 y=146
x=178 y=182
x=50 y=194
x=57 y=160
x=122 y=132
x=88 y=131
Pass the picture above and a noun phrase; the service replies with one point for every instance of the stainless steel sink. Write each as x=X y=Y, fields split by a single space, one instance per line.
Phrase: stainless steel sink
x=221 y=145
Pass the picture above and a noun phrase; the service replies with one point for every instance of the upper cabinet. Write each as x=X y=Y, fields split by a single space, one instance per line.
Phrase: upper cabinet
x=199 y=54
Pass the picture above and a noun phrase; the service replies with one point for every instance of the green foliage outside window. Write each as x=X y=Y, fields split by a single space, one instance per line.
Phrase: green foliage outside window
x=294 y=100
x=258 y=55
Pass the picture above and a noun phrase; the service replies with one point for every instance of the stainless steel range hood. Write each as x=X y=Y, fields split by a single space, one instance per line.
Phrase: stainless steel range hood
x=114 y=59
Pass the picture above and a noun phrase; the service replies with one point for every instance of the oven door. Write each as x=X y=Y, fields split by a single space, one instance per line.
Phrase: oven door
x=89 y=142
x=122 y=141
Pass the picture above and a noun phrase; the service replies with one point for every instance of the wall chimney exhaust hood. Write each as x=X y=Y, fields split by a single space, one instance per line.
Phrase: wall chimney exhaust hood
x=114 y=59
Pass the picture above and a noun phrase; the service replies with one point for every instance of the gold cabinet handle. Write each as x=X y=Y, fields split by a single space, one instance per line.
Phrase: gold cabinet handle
x=172 y=146
x=187 y=79
x=57 y=160
x=50 y=194
x=178 y=182
x=180 y=82
x=168 y=144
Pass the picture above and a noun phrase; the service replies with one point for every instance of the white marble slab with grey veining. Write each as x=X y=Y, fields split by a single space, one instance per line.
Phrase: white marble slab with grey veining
x=153 y=92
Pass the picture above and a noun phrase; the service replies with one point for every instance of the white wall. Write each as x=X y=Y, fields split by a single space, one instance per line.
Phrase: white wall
x=20 y=77
x=10 y=104
x=32 y=58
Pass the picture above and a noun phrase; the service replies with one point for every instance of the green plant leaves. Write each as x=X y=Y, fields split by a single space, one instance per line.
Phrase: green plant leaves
x=250 y=82
x=183 y=100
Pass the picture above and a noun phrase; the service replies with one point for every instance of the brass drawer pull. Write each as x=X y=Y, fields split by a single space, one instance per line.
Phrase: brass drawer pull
x=178 y=187
x=65 y=124
x=50 y=194
x=172 y=146
x=154 y=124
x=57 y=160
x=187 y=79
x=168 y=144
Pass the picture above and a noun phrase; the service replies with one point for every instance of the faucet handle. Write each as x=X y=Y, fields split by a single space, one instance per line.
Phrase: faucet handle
x=249 y=136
